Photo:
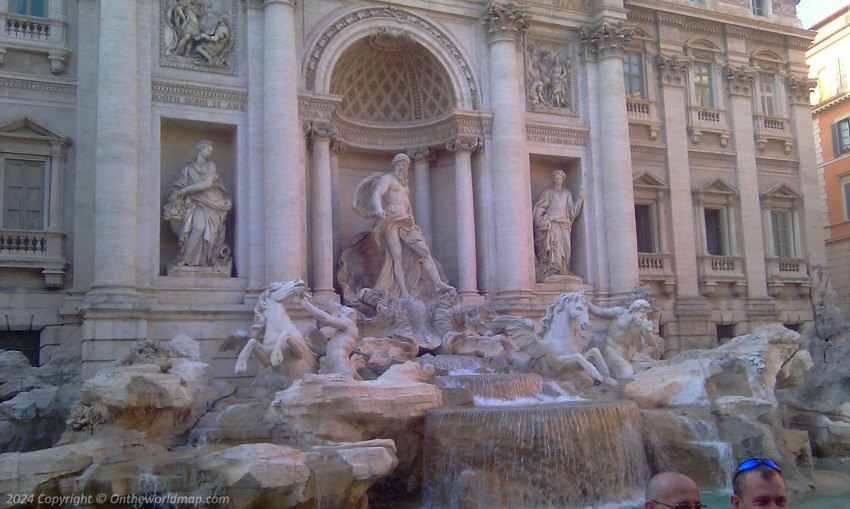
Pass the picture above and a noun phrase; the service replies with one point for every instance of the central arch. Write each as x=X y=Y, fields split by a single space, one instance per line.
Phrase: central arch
x=328 y=45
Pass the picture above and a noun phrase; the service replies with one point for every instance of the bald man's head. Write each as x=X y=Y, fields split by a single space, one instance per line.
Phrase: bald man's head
x=671 y=489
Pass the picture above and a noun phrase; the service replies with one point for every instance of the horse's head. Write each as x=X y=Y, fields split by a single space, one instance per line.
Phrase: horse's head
x=569 y=305
x=577 y=308
x=282 y=290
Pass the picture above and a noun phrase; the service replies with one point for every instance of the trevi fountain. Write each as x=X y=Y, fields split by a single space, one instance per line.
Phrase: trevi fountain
x=407 y=396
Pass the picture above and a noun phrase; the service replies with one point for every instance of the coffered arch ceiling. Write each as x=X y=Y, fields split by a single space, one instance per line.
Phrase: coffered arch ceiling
x=388 y=78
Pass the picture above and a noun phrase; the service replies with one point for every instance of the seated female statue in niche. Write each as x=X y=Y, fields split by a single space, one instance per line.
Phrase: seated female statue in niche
x=554 y=213
x=196 y=207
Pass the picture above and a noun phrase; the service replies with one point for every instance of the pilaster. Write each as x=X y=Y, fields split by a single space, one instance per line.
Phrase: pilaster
x=740 y=81
x=422 y=158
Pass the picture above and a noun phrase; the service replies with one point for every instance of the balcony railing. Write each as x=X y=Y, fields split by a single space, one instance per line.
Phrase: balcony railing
x=27 y=29
x=708 y=116
x=637 y=108
x=35 y=249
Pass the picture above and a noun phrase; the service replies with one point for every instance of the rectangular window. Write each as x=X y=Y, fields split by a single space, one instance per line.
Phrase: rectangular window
x=633 y=74
x=29 y=7
x=645 y=226
x=23 y=195
x=724 y=332
x=783 y=245
x=767 y=93
x=758 y=7
x=715 y=229
x=840 y=137
x=703 y=85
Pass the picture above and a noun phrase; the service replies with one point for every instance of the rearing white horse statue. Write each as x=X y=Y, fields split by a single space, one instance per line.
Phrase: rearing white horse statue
x=283 y=346
x=557 y=350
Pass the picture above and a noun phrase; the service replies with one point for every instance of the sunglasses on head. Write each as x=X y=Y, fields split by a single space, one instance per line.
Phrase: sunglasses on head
x=682 y=505
x=753 y=463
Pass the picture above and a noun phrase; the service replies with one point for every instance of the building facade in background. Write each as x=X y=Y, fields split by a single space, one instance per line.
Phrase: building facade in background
x=831 y=114
x=684 y=124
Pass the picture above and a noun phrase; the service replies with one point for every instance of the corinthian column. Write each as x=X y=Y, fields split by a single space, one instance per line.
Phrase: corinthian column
x=117 y=153
x=467 y=275
x=319 y=135
x=614 y=195
x=283 y=168
x=511 y=178
x=422 y=198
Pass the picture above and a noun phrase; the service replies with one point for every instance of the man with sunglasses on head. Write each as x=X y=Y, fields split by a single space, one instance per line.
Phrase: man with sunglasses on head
x=758 y=483
x=674 y=490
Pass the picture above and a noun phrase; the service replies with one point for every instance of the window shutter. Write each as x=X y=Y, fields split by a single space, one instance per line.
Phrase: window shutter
x=836 y=141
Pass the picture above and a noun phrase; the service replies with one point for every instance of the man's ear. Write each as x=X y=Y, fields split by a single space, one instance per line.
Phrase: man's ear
x=736 y=502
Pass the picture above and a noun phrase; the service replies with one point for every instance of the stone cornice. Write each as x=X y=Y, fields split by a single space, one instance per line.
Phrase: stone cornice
x=401 y=137
x=762 y=161
x=716 y=156
x=829 y=103
x=557 y=135
x=169 y=92
x=38 y=86
x=642 y=148
x=607 y=38
x=317 y=107
x=505 y=22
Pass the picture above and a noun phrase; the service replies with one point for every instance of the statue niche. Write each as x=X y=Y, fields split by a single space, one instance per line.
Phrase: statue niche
x=196 y=208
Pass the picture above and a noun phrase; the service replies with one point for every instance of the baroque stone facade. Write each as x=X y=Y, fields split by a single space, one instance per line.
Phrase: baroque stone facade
x=714 y=214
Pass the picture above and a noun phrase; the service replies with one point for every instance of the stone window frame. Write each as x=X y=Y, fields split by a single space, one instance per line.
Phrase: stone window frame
x=641 y=75
x=43 y=248
x=707 y=119
x=781 y=198
x=839 y=145
x=46 y=35
x=718 y=194
x=775 y=125
x=6 y=160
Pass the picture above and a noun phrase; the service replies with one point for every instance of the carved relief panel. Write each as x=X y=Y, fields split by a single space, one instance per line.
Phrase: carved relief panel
x=550 y=78
x=199 y=35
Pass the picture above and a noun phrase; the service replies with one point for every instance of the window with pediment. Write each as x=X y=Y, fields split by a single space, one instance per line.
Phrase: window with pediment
x=716 y=215
x=783 y=249
x=651 y=211
x=31 y=166
x=771 y=123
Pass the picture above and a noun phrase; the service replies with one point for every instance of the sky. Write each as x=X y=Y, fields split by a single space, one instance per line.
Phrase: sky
x=812 y=11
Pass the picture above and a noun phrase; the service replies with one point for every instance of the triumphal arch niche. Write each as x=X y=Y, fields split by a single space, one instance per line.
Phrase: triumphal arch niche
x=383 y=81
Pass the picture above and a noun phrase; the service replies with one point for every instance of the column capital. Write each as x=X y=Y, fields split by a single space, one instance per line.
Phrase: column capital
x=338 y=146
x=799 y=88
x=505 y=22
x=674 y=68
x=422 y=154
x=463 y=143
x=740 y=79
x=318 y=131
x=290 y=3
x=607 y=38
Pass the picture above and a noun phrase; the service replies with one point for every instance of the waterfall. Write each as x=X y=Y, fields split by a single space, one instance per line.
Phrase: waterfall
x=562 y=455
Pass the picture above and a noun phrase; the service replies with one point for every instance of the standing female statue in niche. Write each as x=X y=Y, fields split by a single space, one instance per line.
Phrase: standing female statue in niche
x=196 y=206
x=554 y=213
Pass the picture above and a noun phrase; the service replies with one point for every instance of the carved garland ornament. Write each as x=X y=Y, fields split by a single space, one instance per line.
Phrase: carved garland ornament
x=674 y=68
x=400 y=16
x=741 y=79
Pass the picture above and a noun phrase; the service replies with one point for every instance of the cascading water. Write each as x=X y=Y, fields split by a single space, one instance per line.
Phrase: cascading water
x=562 y=455
x=501 y=386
